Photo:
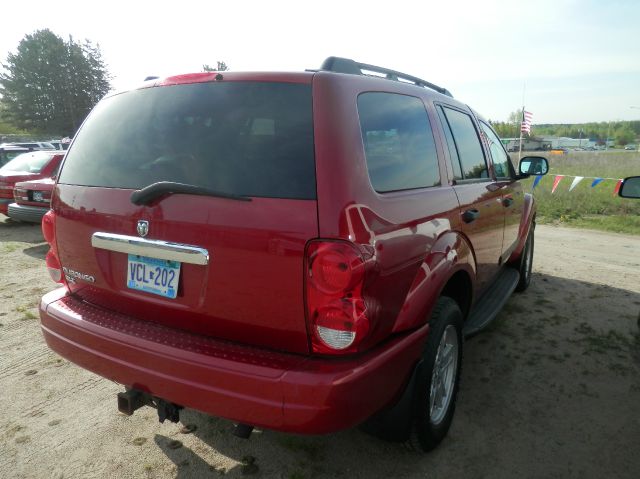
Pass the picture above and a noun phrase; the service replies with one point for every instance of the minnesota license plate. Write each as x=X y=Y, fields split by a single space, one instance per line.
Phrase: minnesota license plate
x=152 y=275
x=37 y=196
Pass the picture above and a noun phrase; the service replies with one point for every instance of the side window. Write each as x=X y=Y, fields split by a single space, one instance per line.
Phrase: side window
x=467 y=143
x=453 y=152
x=498 y=155
x=398 y=142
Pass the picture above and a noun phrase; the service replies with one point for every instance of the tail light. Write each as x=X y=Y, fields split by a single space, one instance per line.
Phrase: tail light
x=49 y=233
x=336 y=312
x=6 y=190
x=53 y=266
x=20 y=194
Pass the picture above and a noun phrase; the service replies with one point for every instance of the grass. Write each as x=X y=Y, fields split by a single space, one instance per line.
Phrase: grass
x=603 y=342
x=586 y=207
x=26 y=314
x=10 y=247
x=297 y=444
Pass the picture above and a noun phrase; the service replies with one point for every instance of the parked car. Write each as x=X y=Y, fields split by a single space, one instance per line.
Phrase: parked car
x=302 y=251
x=9 y=152
x=62 y=144
x=25 y=167
x=34 y=145
x=32 y=200
x=630 y=146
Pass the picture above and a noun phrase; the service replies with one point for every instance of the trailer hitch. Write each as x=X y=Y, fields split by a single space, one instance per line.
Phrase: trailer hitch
x=133 y=399
x=167 y=410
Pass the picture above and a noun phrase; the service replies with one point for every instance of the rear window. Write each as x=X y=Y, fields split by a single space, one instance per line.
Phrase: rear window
x=246 y=138
x=29 y=162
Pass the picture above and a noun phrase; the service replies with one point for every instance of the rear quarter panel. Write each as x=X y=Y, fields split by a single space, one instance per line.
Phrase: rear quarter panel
x=526 y=223
x=410 y=234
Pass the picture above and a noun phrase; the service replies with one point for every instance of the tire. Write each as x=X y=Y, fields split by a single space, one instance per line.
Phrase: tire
x=432 y=414
x=525 y=263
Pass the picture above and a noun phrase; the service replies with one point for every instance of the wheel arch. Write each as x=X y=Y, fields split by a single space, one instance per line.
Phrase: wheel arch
x=460 y=288
x=449 y=269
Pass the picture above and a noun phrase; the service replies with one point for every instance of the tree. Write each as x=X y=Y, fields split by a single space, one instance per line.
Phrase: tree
x=624 y=135
x=515 y=117
x=222 y=67
x=50 y=85
x=510 y=128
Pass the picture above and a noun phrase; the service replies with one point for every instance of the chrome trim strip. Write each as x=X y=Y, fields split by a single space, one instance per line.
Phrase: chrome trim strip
x=151 y=248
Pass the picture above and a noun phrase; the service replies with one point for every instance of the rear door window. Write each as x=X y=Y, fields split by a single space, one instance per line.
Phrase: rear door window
x=467 y=144
x=245 y=138
x=398 y=142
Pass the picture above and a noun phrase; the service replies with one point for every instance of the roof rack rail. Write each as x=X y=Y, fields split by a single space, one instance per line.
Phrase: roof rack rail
x=351 y=67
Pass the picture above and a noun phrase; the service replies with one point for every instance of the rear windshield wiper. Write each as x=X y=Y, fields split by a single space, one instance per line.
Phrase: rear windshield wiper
x=149 y=193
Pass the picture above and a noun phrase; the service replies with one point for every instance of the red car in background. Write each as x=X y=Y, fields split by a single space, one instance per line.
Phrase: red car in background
x=33 y=199
x=28 y=166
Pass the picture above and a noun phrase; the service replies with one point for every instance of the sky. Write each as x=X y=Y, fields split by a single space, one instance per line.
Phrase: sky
x=572 y=61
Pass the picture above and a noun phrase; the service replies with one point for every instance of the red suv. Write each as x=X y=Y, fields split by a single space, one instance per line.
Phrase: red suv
x=296 y=251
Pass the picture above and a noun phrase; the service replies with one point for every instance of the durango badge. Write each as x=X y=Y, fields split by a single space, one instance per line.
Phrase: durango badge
x=143 y=227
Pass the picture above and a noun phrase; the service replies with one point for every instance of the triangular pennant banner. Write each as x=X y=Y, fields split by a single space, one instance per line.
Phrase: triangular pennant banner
x=617 y=188
x=596 y=182
x=536 y=181
x=556 y=182
x=575 y=182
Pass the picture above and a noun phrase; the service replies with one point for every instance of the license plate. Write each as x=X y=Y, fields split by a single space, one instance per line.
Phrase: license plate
x=153 y=275
x=37 y=196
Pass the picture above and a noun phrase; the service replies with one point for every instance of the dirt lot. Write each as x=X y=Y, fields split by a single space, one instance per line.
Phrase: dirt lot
x=552 y=390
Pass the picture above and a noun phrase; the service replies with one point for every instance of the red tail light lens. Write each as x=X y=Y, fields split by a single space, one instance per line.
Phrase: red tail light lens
x=48 y=227
x=49 y=233
x=335 y=268
x=336 y=311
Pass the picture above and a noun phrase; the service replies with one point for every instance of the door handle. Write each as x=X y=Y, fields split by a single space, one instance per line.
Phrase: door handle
x=507 y=201
x=470 y=216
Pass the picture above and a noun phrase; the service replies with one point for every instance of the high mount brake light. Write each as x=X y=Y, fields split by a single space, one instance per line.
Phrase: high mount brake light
x=49 y=233
x=336 y=310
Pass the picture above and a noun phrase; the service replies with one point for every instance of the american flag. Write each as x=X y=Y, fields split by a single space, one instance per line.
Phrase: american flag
x=526 y=122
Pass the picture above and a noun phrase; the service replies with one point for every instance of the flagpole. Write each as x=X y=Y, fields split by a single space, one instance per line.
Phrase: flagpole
x=521 y=120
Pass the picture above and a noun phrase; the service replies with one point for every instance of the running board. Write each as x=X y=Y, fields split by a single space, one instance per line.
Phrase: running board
x=491 y=303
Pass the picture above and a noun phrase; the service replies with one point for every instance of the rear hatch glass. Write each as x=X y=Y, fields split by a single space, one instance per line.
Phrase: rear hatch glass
x=246 y=138
x=253 y=139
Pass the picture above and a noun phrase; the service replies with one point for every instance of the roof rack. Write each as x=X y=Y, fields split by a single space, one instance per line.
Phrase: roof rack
x=351 y=67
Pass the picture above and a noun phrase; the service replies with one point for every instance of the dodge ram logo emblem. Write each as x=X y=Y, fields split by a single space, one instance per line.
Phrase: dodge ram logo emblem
x=143 y=227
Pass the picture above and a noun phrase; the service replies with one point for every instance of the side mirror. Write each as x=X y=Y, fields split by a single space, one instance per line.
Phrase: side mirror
x=533 y=165
x=630 y=187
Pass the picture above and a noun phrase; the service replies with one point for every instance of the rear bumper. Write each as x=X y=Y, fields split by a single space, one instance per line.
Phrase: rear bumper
x=278 y=391
x=32 y=214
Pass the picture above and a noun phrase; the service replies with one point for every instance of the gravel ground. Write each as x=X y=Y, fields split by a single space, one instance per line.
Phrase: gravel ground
x=552 y=389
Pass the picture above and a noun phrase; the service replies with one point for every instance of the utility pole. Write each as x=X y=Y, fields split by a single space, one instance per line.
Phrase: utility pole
x=580 y=139
x=636 y=108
